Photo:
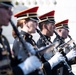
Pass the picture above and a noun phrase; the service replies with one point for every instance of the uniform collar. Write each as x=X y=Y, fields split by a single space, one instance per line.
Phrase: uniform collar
x=26 y=35
x=47 y=37
x=60 y=40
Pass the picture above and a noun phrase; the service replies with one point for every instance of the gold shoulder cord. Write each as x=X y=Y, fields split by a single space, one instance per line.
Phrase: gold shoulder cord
x=6 y=61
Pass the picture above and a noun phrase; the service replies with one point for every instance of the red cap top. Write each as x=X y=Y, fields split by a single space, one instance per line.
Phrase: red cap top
x=28 y=13
x=47 y=16
x=63 y=23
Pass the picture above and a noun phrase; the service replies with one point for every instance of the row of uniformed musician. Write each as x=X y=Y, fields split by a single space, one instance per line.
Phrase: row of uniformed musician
x=23 y=63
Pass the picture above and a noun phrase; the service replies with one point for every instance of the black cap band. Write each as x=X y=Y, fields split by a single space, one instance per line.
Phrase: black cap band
x=8 y=4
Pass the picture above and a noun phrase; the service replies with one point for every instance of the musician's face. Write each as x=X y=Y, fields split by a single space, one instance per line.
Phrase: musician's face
x=64 y=33
x=32 y=25
x=5 y=15
x=50 y=29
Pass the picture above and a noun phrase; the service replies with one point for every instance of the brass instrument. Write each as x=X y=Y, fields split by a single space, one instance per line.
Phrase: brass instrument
x=73 y=43
x=47 y=48
x=63 y=53
x=74 y=48
x=64 y=45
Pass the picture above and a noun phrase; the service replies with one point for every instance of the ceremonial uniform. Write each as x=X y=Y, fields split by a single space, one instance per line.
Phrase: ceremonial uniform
x=46 y=19
x=17 y=46
x=63 y=24
x=18 y=49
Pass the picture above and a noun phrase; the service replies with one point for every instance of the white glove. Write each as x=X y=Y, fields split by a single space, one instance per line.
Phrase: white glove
x=71 y=54
x=56 y=59
x=30 y=64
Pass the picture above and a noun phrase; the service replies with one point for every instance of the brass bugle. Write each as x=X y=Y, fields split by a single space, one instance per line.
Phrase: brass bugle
x=73 y=43
x=64 y=45
x=48 y=48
